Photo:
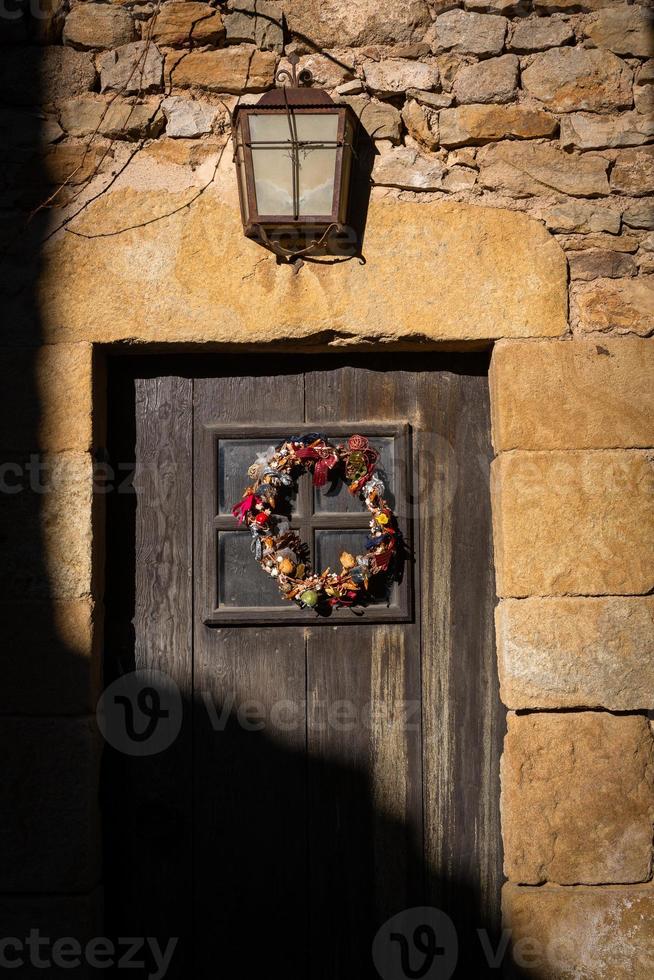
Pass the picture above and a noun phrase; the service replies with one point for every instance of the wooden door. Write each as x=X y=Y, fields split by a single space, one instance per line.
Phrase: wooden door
x=329 y=773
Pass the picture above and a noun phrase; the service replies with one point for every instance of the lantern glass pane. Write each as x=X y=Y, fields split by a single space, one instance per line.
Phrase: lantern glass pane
x=273 y=162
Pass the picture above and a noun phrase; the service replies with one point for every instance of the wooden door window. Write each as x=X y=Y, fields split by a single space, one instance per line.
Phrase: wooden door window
x=329 y=520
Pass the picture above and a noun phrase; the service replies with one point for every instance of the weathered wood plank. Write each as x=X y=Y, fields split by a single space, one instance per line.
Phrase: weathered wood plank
x=250 y=731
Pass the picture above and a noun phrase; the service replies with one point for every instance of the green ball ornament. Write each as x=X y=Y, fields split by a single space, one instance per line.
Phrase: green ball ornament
x=309 y=598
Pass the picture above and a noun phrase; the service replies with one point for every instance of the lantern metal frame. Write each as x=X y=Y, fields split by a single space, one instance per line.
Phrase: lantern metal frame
x=293 y=101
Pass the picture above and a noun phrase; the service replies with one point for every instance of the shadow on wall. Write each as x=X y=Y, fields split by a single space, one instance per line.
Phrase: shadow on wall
x=254 y=918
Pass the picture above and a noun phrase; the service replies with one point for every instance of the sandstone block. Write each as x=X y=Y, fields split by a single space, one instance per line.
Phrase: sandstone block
x=475 y=254
x=573 y=523
x=181 y=23
x=50 y=658
x=71 y=163
x=35 y=76
x=577 y=798
x=622 y=305
x=508 y=7
x=132 y=68
x=644 y=98
x=614 y=243
x=589 y=131
x=34 y=382
x=525 y=169
x=570 y=6
x=597 y=263
x=380 y=120
x=639 y=216
x=421 y=123
x=98 y=25
x=633 y=172
x=49 y=798
x=330 y=23
x=46 y=527
x=484 y=123
x=572 y=395
x=469 y=33
x=117 y=119
x=569 y=79
x=493 y=80
x=568 y=652
x=396 y=75
x=188 y=118
x=597 y=933
x=433 y=100
x=258 y=22
x=582 y=216
x=539 y=34
x=624 y=29
x=231 y=70
x=405 y=166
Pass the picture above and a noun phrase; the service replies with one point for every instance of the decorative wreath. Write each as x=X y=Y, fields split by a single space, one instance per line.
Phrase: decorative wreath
x=281 y=552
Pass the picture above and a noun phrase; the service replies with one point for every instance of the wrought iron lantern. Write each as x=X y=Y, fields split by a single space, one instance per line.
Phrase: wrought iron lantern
x=293 y=155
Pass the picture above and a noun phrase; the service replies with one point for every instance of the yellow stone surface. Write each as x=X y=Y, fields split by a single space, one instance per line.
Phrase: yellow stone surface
x=575 y=523
x=571 y=652
x=577 y=798
x=471 y=274
x=573 y=394
x=582 y=933
x=46 y=399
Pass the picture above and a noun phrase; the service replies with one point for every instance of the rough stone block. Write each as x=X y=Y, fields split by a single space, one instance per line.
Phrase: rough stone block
x=484 y=123
x=597 y=263
x=120 y=119
x=563 y=933
x=525 y=169
x=621 y=305
x=639 y=216
x=380 y=120
x=499 y=273
x=136 y=67
x=332 y=23
x=539 y=34
x=182 y=23
x=567 y=652
x=633 y=172
x=50 y=657
x=569 y=79
x=624 y=29
x=256 y=21
x=34 y=76
x=493 y=80
x=589 y=131
x=49 y=798
x=231 y=70
x=576 y=394
x=405 y=166
x=577 y=798
x=188 y=118
x=582 y=216
x=573 y=523
x=396 y=75
x=98 y=25
x=469 y=33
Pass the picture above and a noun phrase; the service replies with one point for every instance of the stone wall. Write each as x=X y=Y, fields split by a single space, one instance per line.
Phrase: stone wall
x=511 y=205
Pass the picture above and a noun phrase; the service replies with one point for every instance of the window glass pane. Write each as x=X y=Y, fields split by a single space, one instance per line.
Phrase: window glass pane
x=235 y=456
x=241 y=581
x=273 y=171
x=335 y=497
